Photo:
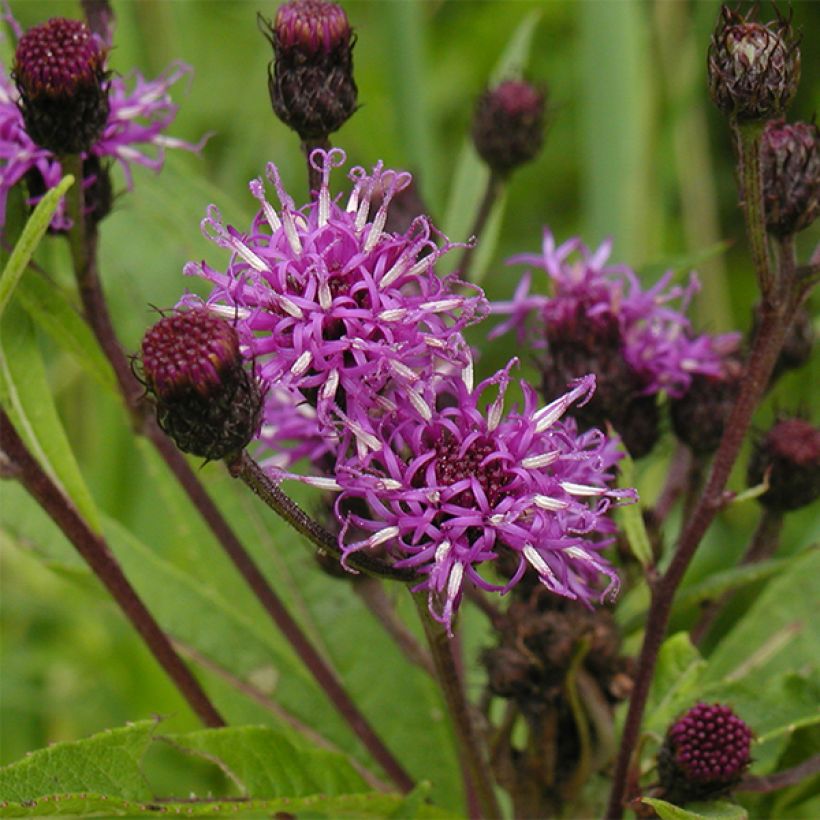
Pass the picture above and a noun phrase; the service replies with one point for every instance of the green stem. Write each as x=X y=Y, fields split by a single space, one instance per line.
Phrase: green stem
x=470 y=747
x=751 y=182
x=495 y=184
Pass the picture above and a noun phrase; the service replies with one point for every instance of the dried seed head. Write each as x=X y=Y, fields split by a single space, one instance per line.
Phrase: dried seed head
x=508 y=125
x=754 y=68
x=705 y=753
x=310 y=80
x=206 y=400
x=59 y=68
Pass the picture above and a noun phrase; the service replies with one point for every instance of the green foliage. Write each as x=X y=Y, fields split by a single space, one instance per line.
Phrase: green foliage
x=720 y=810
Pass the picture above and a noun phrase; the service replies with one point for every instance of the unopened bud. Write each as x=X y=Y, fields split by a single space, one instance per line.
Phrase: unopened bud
x=59 y=68
x=790 y=455
x=704 y=755
x=508 y=125
x=310 y=80
x=754 y=68
x=207 y=402
x=790 y=164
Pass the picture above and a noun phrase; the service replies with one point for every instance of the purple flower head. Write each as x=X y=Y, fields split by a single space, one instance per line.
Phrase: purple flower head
x=332 y=305
x=605 y=304
x=139 y=112
x=448 y=485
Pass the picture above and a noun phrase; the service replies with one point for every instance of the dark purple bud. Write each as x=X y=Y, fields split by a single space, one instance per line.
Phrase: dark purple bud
x=790 y=164
x=699 y=416
x=310 y=80
x=207 y=402
x=798 y=344
x=704 y=755
x=790 y=453
x=754 y=68
x=59 y=68
x=508 y=125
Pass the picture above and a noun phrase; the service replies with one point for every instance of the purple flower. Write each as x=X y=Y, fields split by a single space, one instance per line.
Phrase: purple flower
x=330 y=304
x=446 y=487
x=140 y=111
x=590 y=298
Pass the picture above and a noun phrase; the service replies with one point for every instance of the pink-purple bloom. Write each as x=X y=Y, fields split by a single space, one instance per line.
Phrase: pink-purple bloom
x=330 y=304
x=448 y=485
x=140 y=111
x=655 y=337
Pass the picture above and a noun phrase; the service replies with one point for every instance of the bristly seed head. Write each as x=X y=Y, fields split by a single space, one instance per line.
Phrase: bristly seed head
x=754 y=68
x=790 y=454
x=206 y=400
x=790 y=164
x=508 y=125
x=59 y=68
x=310 y=81
x=704 y=755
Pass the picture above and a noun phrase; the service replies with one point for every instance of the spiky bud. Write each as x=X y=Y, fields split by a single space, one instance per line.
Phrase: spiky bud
x=310 y=80
x=790 y=164
x=508 y=125
x=699 y=416
x=704 y=755
x=754 y=68
x=207 y=402
x=59 y=68
x=790 y=454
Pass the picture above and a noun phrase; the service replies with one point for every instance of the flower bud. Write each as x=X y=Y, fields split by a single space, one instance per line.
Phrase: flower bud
x=59 y=68
x=798 y=344
x=754 y=68
x=790 y=164
x=508 y=125
x=790 y=453
x=699 y=416
x=206 y=401
x=310 y=80
x=704 y=755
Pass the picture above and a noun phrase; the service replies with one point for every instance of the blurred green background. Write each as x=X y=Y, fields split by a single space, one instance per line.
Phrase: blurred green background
x=634 y=150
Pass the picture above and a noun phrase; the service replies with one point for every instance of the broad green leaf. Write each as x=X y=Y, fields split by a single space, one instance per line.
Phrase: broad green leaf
x=779 y=633
x=675 y=686
x=106 y=763
x=630 y=516
x=25 y=395
x=719 y=810
x=264 y=763
x=51 y=310
x=471 y=175
x=29 y=240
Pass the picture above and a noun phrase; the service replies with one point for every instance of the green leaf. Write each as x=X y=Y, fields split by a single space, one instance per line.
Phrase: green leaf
x=25 y=395
x=106 y=763
x=51 y=310
x=630 y=516
x=29 y=240
x=472 y=175
x=719 y=810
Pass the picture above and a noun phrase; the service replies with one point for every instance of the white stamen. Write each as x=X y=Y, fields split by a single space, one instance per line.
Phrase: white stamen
x=389 y=484
x=289 y=306
x=537 y=562
x=291 y=234
x=577 y=552
x=581 y=489
x=382 y=535
x=393 y=315
x=543 y=460
x=433 y=341
x=325 y=297
x=547 y=503
x=394 y=272
x=321 y=483
x=249 y=256
x=362 y=436
x=229 y=312
x=454 y=584
x=329 y=387
x=440 y=305
x=441 y=551
x=467 y=375
x=404 y=371
x=497 y=519
x=494 y=416
x=302 y=363
x=422 y=408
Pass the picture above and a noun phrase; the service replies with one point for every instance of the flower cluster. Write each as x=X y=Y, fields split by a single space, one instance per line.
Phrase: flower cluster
x=139 y=111
x=370 y=379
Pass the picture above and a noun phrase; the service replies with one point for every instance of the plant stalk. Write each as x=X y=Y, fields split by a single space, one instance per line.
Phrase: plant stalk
x=495 y=184
x=97 y=555
x=470 y=747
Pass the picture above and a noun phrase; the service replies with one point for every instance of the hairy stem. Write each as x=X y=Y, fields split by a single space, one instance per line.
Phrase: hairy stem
x=96 y=554
x=471 y=749
x=495 y=184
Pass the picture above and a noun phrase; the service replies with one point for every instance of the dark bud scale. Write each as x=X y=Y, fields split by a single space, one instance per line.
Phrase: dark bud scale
x=579 y=346
x=704 y=755
x=508 y=125
x=754 y=68
x=59 y=68
x=790 y=452
x=790 y=164
x=699 y=416
x=207 y=402
x=310 y=80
